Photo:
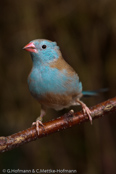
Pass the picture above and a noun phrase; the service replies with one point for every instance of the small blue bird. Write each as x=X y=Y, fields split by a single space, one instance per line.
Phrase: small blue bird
x=52 y=81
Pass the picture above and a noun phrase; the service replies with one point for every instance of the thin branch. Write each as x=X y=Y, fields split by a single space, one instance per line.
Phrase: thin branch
x=63 y=122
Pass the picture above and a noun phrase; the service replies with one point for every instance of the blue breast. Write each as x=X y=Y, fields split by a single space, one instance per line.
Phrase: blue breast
x=44 y=79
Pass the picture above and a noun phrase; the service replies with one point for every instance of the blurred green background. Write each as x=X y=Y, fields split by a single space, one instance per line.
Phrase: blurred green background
x=86 y=33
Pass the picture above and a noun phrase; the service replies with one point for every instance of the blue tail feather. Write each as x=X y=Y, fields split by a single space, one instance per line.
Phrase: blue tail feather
x=93 y=93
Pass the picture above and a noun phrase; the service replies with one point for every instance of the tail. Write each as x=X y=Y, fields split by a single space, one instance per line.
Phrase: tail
x=93 y=93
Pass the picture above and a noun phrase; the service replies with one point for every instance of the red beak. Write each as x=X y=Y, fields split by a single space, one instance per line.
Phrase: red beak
x=30 y=47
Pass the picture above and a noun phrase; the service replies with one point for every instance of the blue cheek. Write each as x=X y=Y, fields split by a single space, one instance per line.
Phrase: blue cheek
x=48 y=55
x=44 y=56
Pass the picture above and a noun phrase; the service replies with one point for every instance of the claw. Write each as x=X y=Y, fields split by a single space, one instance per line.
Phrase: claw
x=39 y=120
x=86 y=110
x=37 y=123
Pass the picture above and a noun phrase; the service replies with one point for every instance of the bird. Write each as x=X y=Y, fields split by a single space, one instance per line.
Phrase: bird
x=52 y=81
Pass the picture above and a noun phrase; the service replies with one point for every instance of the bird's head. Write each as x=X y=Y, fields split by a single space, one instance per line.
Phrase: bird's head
x=43 y=50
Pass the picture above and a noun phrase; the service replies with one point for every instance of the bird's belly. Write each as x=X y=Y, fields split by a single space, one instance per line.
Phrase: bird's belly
x=58 y=101
x=53 y=100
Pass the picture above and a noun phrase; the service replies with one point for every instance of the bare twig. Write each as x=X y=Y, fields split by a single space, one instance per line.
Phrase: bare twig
x=63 y=122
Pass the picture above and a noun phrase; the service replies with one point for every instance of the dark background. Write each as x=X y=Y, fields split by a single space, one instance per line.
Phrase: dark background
x=86 y=33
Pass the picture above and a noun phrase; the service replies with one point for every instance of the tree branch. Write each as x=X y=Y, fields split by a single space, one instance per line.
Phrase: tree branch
x=63 y=122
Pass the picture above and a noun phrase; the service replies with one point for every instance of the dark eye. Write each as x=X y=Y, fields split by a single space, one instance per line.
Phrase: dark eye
x=44 y=46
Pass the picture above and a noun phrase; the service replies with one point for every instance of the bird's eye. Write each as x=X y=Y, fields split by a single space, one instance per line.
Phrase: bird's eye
x=44 y=46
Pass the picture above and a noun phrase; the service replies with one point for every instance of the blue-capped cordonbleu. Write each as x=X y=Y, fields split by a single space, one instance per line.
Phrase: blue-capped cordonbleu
x=52 y=81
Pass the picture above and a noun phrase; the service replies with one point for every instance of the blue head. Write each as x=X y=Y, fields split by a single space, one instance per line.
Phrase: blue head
x=43 y=51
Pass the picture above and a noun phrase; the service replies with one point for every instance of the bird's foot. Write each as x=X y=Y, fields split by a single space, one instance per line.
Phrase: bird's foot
x=86 y=110
x=37 y=123
x=39 y=120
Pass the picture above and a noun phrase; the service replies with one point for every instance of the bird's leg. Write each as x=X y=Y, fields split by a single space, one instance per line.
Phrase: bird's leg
x=86 y=110
x=39 y=120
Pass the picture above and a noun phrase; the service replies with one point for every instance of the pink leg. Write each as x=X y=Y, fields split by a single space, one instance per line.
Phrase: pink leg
x=39 y=120
x=86 y=110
